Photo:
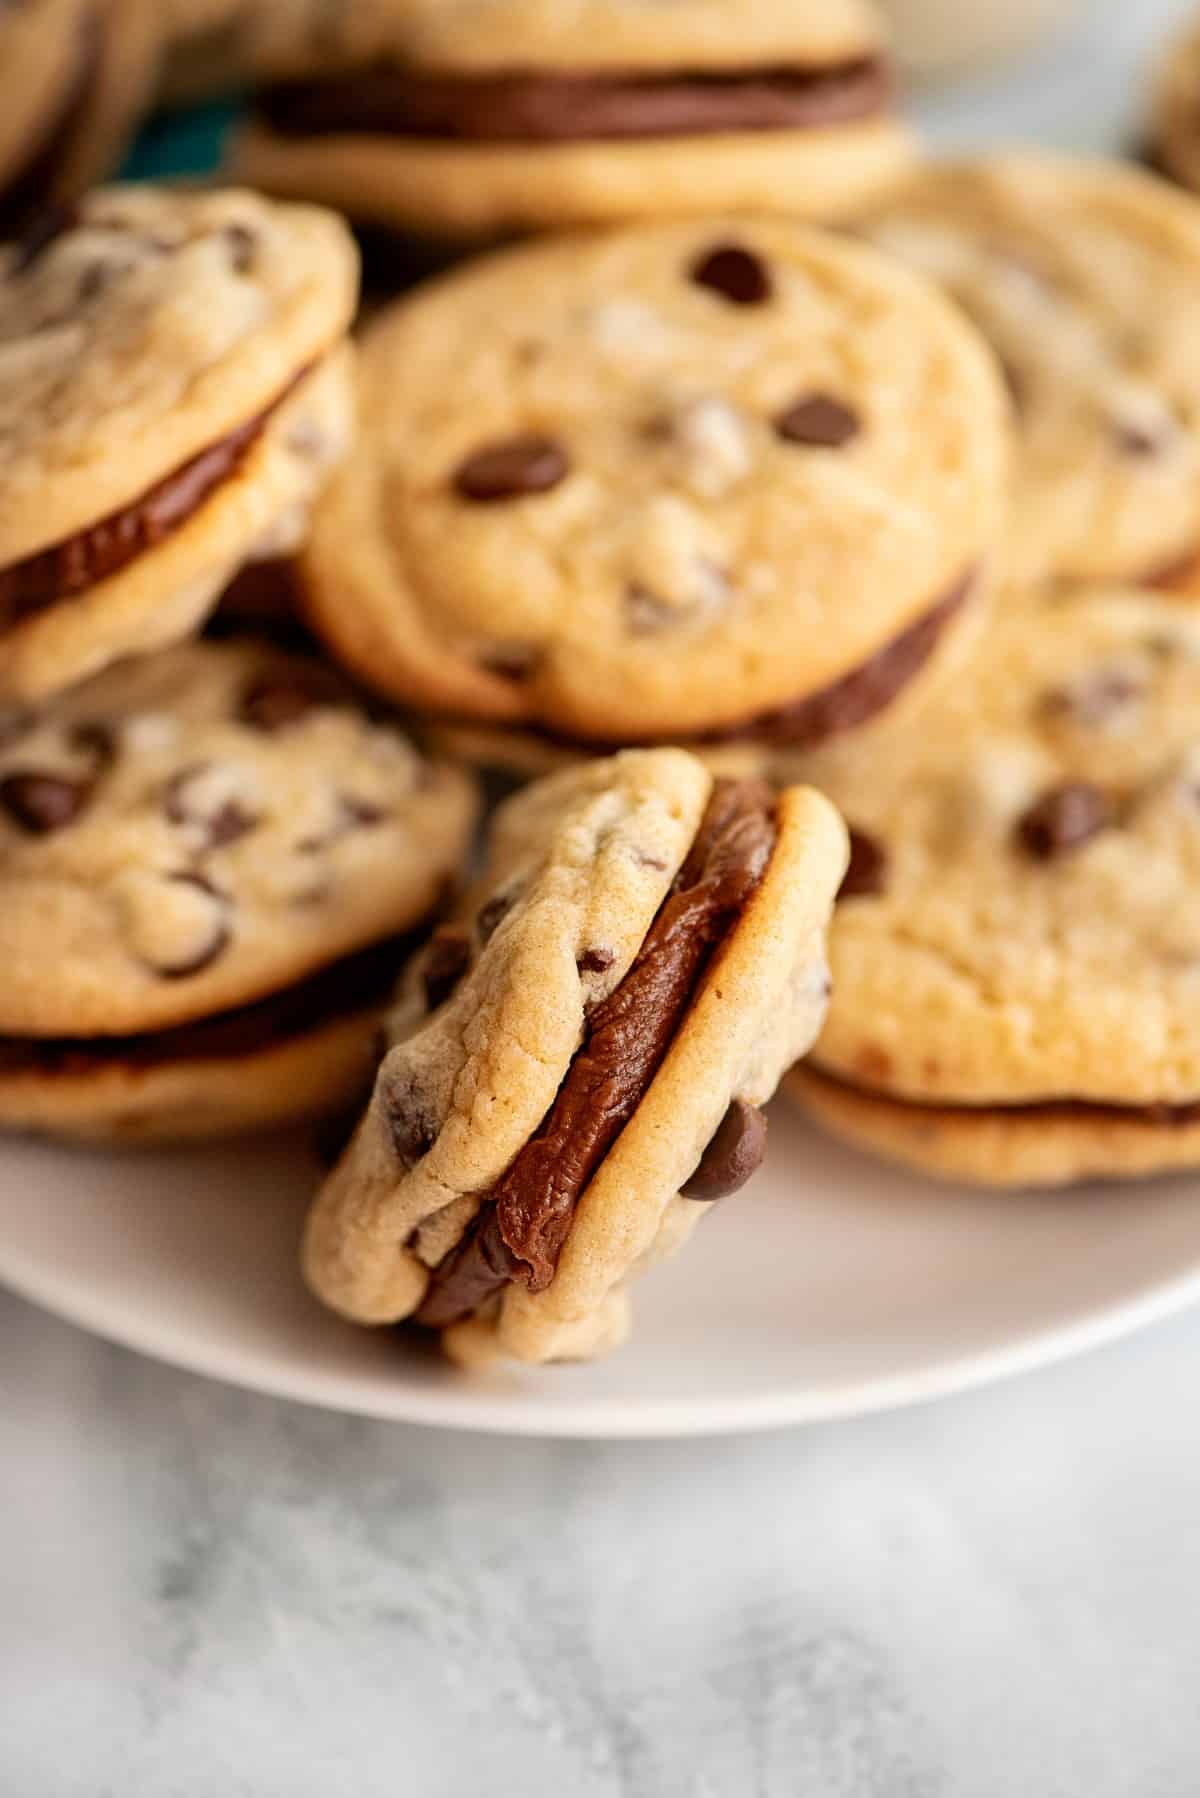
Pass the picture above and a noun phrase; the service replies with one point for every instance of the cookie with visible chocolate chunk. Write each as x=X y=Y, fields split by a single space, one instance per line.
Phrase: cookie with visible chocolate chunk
x=176 y=389
x=75 y=75
x=464 y=120
x=206 y=858
x=1016 y=952
x=729 y=482
x=1083 y=276
x=579 y=1058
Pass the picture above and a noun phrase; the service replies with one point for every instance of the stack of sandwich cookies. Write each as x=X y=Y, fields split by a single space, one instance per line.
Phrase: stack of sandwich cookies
x=579 y=1059
x=462 y=120
x=712 y=484
x=177 y=387
x=1084 y=277
x=1016 y=954
x=75 y=75
x=207 y=857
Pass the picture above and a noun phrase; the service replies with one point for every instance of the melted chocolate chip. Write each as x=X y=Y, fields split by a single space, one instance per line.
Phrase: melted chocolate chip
x=1064 y=819
x=735 y=1152
x=818 y=421
x=411 y=1129
x=1094 y=701
x=243 y=248
x=595 y=961
x=447 y=961
x=866 y=871
x=514 y=469
x=95 y=740
x=512 y=661
x=1136 y=439
x=359 y=814
x=274 y=701
x=737 y=274
x=93 y=281
x=219 y=935
x=43 y=803
x=183 y=803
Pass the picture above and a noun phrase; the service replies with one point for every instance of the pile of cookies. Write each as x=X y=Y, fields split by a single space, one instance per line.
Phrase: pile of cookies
x=827 y=596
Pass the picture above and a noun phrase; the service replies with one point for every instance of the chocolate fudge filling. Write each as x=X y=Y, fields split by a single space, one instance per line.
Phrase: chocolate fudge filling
x=67 y=569
x=845 y=705
x=1156 y=1116
x=521 y=1225
x=528 y=107
x=356 y=983
x=22 y=197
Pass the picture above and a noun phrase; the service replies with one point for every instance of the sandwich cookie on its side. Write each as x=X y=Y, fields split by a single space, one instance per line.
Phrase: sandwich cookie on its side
x=1016 y=952
x=579 y=1059
x=176 y=387
x=1084 y=277
x=75 y=75
x=466 y=120
x=207 y=860
x=720 y=483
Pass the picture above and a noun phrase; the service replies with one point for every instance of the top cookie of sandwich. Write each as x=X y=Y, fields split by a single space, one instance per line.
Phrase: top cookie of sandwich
x=658 y=483
x=1084 y=277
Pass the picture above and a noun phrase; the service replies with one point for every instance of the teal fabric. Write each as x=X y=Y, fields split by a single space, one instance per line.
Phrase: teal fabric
x=181 y=143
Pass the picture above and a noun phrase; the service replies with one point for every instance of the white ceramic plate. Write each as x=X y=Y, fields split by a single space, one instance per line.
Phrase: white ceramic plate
x=831 y=1286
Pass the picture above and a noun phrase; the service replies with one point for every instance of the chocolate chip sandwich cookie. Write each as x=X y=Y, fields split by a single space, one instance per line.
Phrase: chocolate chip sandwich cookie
x=1016 y=953
x=462 y=119
x=718 y=482
x=579 y=1059
x=208 y=860
x=1084 y=277
x=1175 y=120
x=74 y=74
x=176 y=385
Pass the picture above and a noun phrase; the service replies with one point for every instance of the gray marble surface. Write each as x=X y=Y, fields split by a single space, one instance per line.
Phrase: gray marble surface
x=205 y=1594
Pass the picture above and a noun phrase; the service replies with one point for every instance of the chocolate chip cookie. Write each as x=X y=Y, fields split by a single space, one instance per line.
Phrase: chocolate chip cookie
x=579 y=1058
x=176 y=386
x=1175 y=120
x=207 y=859
x=74 y=74
x=729 y=481
x=1084 y=277
x=464 y=119
x=1016 y=951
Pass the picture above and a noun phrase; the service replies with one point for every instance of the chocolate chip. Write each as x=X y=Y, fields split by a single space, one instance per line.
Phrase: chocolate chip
x=218 y=938
x=735 y=273
x=43 y=803
x=512 y=661
x=513 y=469
x=735 y=1152
x=92 y=282
x=1064 y=819
x=49 y=224
x=1095 y=700
x=95 y=740
x=493 y=914
x=359 y=814
x=447 y=960
x=243 y=248
x=219 y=820
x=595 y=961
x=274 y=701
x=411 y=1129
x=1133 y=438
x=818 y=421
x=866 y=871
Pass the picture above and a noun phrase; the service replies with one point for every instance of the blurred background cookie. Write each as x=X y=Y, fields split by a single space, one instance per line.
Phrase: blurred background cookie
x=1083 y=276
x=467 y=120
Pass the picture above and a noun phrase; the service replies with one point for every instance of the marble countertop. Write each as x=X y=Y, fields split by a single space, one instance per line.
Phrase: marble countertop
x=206 y=1593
